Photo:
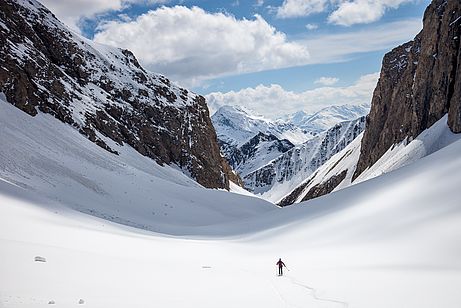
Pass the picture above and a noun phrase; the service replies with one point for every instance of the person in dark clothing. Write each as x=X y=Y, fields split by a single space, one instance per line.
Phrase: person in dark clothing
x=281 y=265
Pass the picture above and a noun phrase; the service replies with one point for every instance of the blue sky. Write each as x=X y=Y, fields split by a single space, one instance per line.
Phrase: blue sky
x=300 y=48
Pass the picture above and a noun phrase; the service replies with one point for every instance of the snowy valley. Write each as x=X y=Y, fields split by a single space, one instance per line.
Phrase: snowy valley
x=381 y=242
x=118 y=189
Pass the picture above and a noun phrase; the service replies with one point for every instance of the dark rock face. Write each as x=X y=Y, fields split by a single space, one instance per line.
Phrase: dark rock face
x=326 y=187
x=420 y=82
x=293 y=196
x=238 y=156
x=104 y=93
x=249 y=148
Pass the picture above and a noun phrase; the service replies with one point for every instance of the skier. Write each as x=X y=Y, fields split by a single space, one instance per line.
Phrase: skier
x=281 y=265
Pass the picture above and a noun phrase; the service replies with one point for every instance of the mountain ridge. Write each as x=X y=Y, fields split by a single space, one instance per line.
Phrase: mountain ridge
x=103 y=92
x=419 y=83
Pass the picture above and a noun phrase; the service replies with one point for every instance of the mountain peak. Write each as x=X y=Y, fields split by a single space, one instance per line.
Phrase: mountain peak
x=236 y=125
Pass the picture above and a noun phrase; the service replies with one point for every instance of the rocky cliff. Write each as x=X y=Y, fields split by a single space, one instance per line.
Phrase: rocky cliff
x=420 y=82
x=104 y=93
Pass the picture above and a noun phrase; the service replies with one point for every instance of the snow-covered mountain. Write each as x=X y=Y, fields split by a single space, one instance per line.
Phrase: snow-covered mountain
x=255 y=147
x=236 y=126
x=337 y=173
x=56 y=162
x=104 y=93
x=415 y=109
x=327 y=117
x=277 y=178
x=256 y=152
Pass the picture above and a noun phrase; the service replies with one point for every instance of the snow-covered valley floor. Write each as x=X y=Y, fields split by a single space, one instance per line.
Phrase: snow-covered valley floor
x=393 y=241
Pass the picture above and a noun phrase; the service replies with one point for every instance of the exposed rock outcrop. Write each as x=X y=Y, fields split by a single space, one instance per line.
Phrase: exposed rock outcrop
x=420 y=82
x=294 y=195
x=104 y=93
x=326 y=187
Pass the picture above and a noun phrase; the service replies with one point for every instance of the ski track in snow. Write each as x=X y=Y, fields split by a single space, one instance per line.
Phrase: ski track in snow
x=313 y=293
x=310 y=290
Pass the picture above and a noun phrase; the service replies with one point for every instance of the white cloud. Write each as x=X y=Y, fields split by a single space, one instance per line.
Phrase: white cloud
x=190 y=45
x=312 y=26
x=72 y=11
x=326 y=81
x=362 y=11
x=298 y=8
x=342 y=12
x=340 y=47
x=273 y=101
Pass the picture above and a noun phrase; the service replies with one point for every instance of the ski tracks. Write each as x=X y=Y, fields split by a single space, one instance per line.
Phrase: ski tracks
x=312 y=291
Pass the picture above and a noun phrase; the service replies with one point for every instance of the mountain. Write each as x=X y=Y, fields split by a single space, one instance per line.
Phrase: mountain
x=277 y=178
x=420 y=82
x=256 y=147
x=415 y=109
x=256 y=152
x=327 y=117
x=104 y=93
x=236 y=125
x=56 y=163
x=337 y=173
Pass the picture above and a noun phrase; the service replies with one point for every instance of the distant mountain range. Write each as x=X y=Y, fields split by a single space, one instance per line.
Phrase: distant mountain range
x=237 y=125
x=273 y=157
x=327 y=117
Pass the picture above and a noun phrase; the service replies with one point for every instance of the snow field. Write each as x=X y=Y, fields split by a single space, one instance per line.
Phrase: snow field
x=392 y=241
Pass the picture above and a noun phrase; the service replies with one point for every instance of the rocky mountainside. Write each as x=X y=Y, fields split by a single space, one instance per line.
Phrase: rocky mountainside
x=414 y=112
x=420 y=82
x=277 y=178
x=335 y=174
x=256 y=152
x=104 y=93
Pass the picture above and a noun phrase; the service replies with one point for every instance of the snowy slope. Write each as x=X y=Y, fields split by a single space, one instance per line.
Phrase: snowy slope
x=408 y=151
x=55 y=161
x=343 y=161
x=429 y=141
x=392 y=241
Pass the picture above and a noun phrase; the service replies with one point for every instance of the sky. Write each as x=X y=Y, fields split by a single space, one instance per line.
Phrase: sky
x=274 y=57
